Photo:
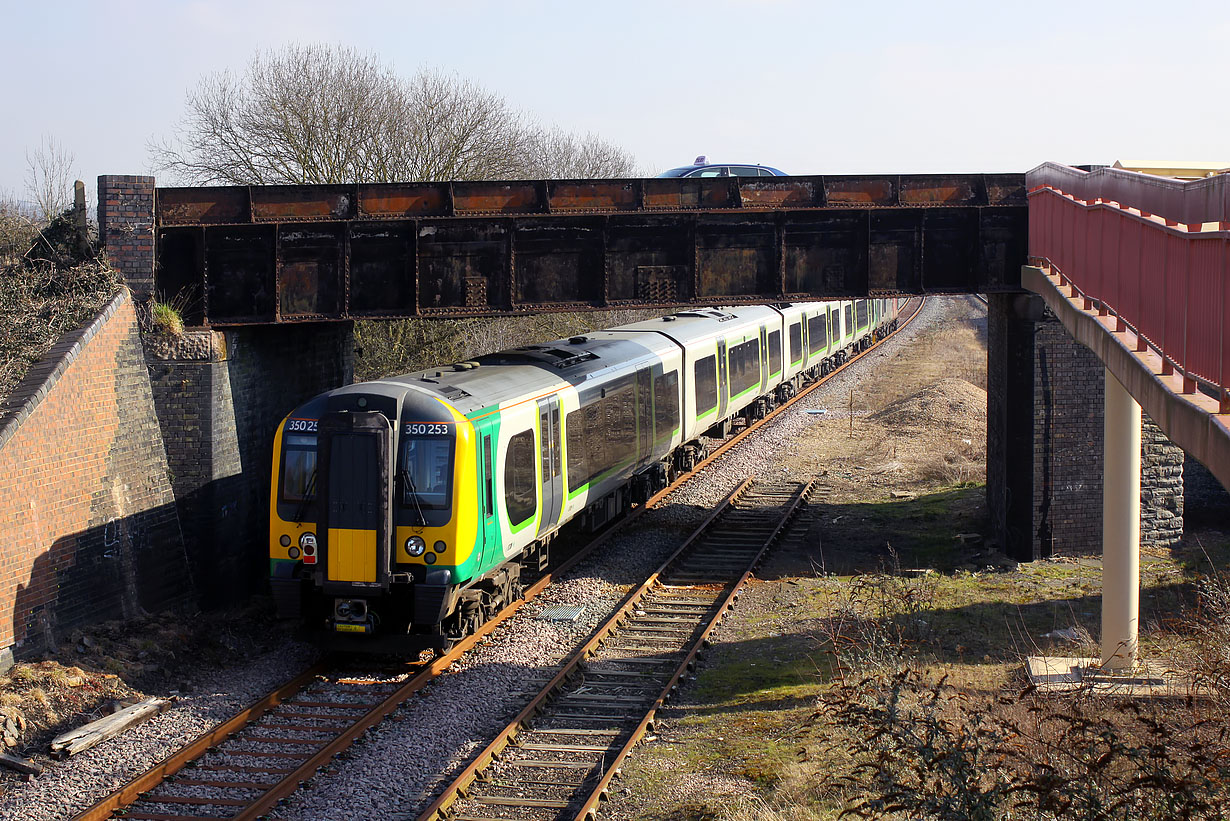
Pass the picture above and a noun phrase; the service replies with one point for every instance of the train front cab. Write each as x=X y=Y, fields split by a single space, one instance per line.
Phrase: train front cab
x=383 y=512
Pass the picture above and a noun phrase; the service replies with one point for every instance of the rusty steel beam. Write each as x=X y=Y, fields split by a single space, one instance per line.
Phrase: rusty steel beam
x=267 y=254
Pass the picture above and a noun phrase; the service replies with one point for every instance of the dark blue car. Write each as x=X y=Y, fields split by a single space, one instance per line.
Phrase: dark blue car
x=703 y=168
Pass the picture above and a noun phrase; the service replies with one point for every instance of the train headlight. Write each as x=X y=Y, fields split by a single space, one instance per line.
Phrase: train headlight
x=439 y=547
x=430 y=558
x=284 y=541
x=415 y=545
x=307 y=543
x=293 y=553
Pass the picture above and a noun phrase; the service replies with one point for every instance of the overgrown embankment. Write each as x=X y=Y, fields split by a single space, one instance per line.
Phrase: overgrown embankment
x=49 y=286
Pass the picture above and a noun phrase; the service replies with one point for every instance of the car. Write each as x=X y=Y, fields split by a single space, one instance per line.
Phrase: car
x=703 y=168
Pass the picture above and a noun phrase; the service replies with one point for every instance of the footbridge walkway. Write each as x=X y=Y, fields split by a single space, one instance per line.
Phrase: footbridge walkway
x=1137 y=268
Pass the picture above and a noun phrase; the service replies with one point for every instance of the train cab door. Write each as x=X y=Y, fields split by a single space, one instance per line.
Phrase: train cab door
x=355 y=530
x=552 y=463
x=723 y=391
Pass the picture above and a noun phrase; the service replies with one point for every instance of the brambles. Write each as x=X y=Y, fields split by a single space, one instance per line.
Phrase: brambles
x=931 y=750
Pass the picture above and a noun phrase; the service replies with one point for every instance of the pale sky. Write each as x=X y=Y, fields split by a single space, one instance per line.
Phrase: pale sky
x=810 y=87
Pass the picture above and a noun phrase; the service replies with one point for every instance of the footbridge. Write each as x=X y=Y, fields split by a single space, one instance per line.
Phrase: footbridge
x=1137 y=268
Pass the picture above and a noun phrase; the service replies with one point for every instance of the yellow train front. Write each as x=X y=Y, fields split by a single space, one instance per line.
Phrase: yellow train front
x=373 y=519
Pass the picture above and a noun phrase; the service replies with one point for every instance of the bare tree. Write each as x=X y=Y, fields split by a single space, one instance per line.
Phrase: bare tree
x=49 y=178
x=329 y=114
x=555 y=153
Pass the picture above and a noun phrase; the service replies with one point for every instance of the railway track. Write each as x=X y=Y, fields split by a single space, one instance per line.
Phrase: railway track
x=245 y=766
x=557 y=757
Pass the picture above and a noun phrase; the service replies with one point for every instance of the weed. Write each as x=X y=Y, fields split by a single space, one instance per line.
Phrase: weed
x=166 y=319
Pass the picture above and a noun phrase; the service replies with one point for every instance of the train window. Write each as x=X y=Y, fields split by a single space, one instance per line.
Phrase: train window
x=796 y=343
x=817 y=333
x=744 y=363
x=644 y=412
x=665 y=405
x=706 y=385
x=519 y=479
x=298 y=468
x=775 y=352
x=860 y=309
x=849 y=326
x=555 y=463
x=602 y=434
x=426 y=471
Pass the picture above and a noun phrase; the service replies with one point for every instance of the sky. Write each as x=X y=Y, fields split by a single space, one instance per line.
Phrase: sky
x=809 y=87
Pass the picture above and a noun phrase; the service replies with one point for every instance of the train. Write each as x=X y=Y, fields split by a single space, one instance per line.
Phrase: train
x=403 y=511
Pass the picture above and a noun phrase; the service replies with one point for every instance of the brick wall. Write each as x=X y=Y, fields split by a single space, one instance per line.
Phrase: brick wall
x=1068 y=430
x=219 y=397
x=126 y=229
x=88 y=527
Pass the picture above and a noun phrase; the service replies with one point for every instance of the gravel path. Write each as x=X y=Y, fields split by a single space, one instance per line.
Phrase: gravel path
x=394 y=771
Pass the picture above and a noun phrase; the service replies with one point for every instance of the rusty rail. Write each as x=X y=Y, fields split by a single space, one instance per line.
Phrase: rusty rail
x=622 y=619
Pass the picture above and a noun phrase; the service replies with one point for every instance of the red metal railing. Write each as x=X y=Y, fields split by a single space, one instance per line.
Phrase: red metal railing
x=1152 y=252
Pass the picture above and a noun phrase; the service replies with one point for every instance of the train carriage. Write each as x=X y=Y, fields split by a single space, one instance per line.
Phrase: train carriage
x=403 y=510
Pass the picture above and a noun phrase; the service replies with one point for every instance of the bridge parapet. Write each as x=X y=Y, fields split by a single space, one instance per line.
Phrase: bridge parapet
x=1152 y=253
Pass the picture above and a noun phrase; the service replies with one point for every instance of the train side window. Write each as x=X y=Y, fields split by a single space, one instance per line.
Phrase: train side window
x=578 y=473
x=817 y=333
x=644 y=410
x=860 y=308
x=706 y=385
x=519 y=478
x=489 y=478
x=744 y=366
x=665 y=405
x=775 y=352
x=555 y=457
x=849 y=313
x=796 y=342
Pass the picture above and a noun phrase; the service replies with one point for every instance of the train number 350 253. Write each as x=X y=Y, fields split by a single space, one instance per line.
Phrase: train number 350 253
x=426 y=429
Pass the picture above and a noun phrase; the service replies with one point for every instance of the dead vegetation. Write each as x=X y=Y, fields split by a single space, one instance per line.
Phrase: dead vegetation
x=47 y=289
x=384 y=348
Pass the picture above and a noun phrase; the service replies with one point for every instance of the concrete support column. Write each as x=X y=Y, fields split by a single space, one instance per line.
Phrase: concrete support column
x=1120 y=528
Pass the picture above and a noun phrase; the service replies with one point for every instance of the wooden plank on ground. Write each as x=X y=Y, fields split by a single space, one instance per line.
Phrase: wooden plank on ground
x=85 y=737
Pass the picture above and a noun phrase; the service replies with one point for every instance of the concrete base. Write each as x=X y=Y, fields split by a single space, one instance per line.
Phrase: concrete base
x=1061 y=674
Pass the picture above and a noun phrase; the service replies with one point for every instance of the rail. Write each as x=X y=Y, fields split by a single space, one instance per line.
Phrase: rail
x=1152 y=253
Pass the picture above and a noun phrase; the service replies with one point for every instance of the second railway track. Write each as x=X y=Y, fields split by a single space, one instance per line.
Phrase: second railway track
x=556 y=758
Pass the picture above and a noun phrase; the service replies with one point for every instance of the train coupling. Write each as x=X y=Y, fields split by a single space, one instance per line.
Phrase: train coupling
x=352 y=616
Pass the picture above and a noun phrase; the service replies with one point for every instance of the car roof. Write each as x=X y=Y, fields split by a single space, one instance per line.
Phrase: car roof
x=684 y=170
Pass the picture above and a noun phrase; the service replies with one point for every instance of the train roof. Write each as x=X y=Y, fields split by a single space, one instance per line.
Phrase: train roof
x=529 y=370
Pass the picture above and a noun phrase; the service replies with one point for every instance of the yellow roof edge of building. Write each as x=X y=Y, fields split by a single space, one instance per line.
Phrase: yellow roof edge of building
x=1183 y=169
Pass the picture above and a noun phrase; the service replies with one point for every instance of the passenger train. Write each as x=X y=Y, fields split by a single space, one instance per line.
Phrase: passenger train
x=403 y=510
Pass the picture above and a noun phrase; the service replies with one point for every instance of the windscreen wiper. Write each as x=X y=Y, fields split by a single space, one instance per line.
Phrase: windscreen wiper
x=309 y=496
x=414 y=494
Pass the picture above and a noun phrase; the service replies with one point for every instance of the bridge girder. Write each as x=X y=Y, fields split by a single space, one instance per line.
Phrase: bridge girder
x=275 y=254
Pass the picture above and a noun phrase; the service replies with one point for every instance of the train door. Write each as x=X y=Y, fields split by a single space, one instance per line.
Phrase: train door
x=723 y=389
x=493 y=549
x=355 y=501
x=552 y=463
